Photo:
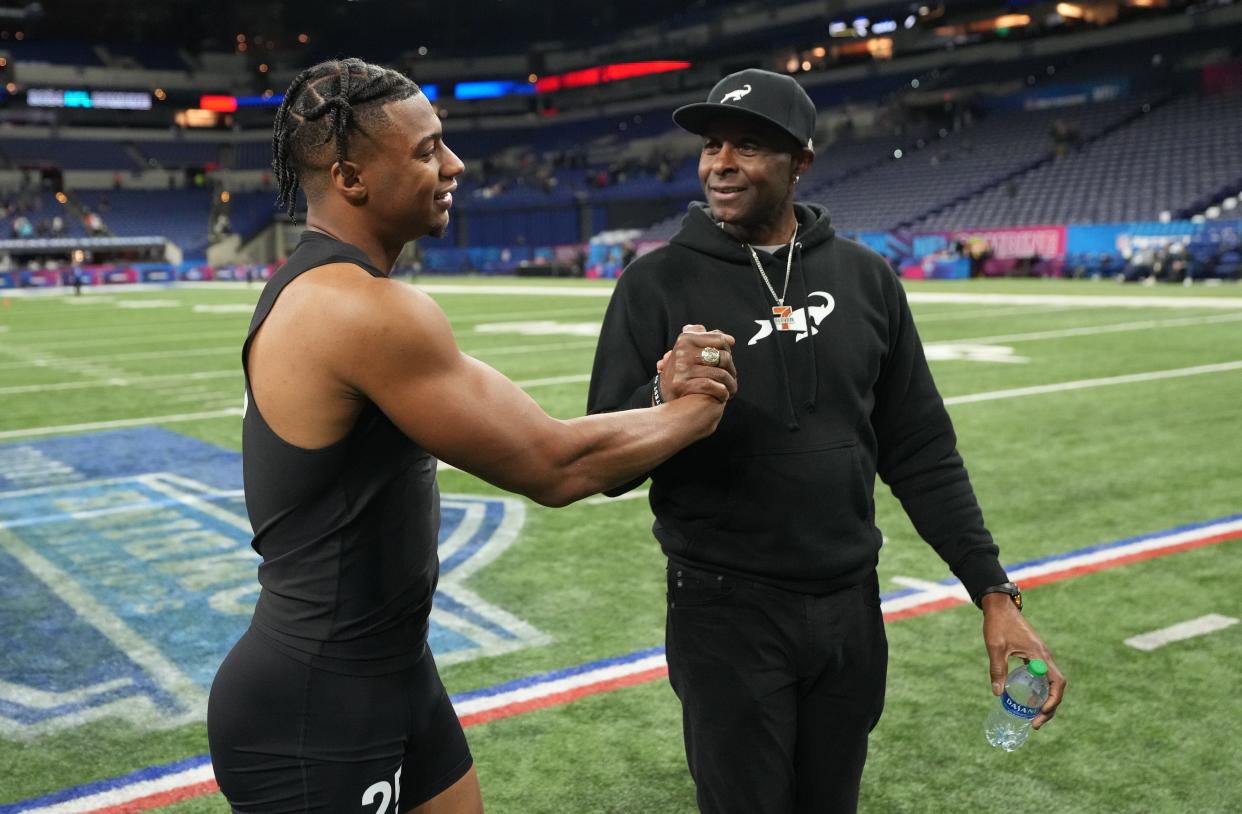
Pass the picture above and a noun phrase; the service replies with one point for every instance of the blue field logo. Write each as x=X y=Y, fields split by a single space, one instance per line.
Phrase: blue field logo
x=126 y=574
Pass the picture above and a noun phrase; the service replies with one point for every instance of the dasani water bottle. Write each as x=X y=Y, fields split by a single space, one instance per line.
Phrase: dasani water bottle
x=1026 y=690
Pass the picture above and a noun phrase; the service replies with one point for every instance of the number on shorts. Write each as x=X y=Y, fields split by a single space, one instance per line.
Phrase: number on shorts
x=384 y=790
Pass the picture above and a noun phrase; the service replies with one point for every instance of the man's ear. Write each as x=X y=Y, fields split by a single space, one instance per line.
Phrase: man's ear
x=347 y=182
x=802 y=161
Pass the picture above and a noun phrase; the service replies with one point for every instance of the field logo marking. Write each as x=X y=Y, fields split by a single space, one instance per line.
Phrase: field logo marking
x=121 y=590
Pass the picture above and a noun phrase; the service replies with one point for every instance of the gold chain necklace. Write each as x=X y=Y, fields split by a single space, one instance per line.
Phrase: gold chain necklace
x=782 y=314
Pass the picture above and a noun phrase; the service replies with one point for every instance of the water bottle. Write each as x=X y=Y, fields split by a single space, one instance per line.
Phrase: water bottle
x=1026 y=690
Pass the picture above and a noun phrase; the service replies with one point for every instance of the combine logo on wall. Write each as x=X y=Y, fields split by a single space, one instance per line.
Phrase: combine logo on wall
x=126 y=574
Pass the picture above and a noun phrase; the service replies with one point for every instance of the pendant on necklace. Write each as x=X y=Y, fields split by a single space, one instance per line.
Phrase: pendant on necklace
x=782 y=316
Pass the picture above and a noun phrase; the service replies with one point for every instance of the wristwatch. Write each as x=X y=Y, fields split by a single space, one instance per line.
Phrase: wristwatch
x=1004 y=588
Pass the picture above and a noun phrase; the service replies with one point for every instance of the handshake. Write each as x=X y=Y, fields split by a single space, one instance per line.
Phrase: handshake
x=699 y=363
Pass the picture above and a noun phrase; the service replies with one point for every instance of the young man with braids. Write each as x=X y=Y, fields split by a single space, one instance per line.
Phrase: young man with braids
x=331 y=701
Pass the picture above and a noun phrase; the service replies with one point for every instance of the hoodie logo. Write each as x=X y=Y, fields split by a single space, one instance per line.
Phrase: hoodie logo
x=735 y=95
x=786 y=319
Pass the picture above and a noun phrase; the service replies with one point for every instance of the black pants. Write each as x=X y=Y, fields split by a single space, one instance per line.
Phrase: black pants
x=779 y=690
x=289 y=737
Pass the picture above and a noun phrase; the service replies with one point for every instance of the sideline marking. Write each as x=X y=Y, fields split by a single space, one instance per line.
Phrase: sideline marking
x=157 y=786
x=1179 y=632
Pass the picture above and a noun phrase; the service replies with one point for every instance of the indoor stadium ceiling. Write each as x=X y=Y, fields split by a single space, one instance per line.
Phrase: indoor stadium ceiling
x=457 y=27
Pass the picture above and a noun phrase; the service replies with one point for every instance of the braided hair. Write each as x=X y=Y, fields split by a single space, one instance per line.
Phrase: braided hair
x=324 y=103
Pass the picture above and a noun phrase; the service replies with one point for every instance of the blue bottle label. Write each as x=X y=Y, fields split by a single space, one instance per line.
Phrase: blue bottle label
x=1017 y=709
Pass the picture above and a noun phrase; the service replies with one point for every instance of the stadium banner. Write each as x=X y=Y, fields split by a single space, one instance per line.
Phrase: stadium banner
x=41 y=278
x=1020 y=242
x=1119 y=239
x=195 y=272
x=119 y=276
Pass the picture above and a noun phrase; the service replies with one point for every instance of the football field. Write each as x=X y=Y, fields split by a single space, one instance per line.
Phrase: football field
x=1101 y=424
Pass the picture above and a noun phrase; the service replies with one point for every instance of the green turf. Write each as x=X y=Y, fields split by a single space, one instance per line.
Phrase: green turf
x=1139 y=732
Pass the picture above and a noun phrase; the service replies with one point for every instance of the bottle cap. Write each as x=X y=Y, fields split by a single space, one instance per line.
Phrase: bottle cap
x=1038 y=667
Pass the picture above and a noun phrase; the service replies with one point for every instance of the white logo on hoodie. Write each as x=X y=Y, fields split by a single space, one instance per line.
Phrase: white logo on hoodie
x=797 y=320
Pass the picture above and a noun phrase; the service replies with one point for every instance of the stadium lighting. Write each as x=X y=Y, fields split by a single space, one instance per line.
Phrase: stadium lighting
x=607 y=73
x=792 y=65
x=898 y=153
x=303 y=38
x=1166 y=216
x=838 y=29
x=218 y=104
x=1213 y=212
x=1012 y=20
x=911 y=21
x=1230 y=203
x=884 y=27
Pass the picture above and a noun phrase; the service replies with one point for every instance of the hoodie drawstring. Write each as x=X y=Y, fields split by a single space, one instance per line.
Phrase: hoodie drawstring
x=791 y=413
x=813 y=397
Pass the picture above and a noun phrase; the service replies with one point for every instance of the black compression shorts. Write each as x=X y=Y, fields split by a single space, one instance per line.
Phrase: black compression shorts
x=287 y=736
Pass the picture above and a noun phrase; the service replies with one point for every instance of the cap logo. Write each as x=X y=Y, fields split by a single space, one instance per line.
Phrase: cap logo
x=735 y=95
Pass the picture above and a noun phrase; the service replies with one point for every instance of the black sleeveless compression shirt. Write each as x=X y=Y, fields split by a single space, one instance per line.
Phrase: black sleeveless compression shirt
x=347 y=532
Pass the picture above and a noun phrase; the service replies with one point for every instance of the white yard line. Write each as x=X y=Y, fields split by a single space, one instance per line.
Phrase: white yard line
x=970 y=398
x=120 y=381
x=1180 y=632
x=1070 y=300
x=1086 y=384
x=955 y=314
x=122 y=357
x=31 y=432
x=172 y=336
x=1092 y=330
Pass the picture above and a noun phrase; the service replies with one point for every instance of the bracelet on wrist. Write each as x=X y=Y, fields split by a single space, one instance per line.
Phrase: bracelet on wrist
x=657 y=397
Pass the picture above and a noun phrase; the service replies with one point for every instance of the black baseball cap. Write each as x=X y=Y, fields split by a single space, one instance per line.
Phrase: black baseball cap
x=753 y=93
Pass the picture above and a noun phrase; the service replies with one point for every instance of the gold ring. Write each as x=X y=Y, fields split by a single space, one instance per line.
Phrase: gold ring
x=710 y=357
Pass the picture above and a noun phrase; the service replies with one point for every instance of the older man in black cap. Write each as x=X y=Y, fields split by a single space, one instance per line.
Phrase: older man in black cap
x=775 y=639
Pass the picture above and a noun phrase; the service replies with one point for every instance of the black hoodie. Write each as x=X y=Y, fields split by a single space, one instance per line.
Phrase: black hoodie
x=782 y=493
